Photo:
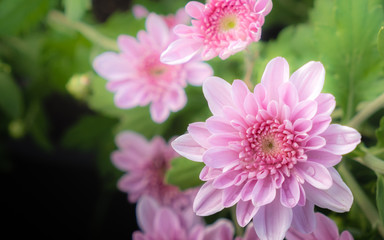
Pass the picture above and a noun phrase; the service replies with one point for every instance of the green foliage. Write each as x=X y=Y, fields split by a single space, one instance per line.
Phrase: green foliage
x=75 y=9
x=11 y=99
x=380 y=197
x=184 y=173
x=17 y=16
x=380 y=41
x=380 y=134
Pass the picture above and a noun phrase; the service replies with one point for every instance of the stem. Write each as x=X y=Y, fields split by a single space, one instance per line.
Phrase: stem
x=239 y=230
x=366 y=112
x=249 y=60
x=362 y=200
x=87 y=31
x=374 y=163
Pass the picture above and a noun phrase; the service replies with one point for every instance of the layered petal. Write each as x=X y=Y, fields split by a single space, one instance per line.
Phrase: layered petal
x=208 y=200
x=187 y=147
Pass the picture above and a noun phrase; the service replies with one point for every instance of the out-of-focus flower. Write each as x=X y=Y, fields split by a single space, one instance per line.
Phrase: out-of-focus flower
x=159 y=222
x=181 y=17
x=272 y=151
x=220 y=27
x=325 y=229
x=79 y=86
x=138 y=78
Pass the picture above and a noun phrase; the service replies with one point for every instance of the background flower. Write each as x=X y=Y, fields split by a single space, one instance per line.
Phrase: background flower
x=220 y=27
x=138 y=78
x=271 y=152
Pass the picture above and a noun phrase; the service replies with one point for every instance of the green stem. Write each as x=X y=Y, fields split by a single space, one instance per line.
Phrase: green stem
x=249 y=60
x=87 y=31
x=367 y=111
x=361 y=198
x=239 y=230
x=374 y=163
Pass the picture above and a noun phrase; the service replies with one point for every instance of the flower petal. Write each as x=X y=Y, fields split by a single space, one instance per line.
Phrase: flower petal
x=272 y=221
x=304 y=219
x=239 y=92
x=167 y=224
x=276 y=73
x=325 y=104
x=288 y=94
x=181 y=51
x=195 y=9
x=129 y=45
x=187 y=147
x=217 y=124
x=159 y=112
x=326 y=159
x=226 y=179
x=345 y=235
x=309 y=80
x=222 y=229
x=145 y=210
x=218 y=94
x=305 y=109
x=199 y=133
x=208 y=200
x=197 y=72
x=325 y=228
x=158 y=30
x=231 y=195
x=315 y=174
x=290 y=192
x=219 y=157
x=340 y=139
x=337 y=198
x=113 y=66
x=264 y=192
x=245 y=211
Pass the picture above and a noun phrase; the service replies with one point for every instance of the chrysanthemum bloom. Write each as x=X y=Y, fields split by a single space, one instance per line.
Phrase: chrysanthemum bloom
x=272 y=151
x=220 y=27
x=138 y=78
x=325 y=229
x=163 y=223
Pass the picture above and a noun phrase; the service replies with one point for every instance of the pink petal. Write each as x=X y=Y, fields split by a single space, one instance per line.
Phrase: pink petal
x=325 y=228
x=197 y=72
x=260 y=94
x=199 y=133
x=134 y=143
x=139 y=11
x=250 y=233
x=340 y=139
x=138 y=236
x=129 y=45
x=315 y=174
x=219 y=157
x=167 y=224
x=263 y=6
x=239 y=92
x=290 y=192
x=315 y=143
x=231 y=195
x=325 y=104
x=113 y=66
x=304 y=219
x=208 y=173
x=326 y=159
x=195 y=9
x=218 y=94
x=157 y=29
x=184 y=31
x=208 y=200
x=302 y=125
x=246 y=193
x=288 y=94
x=145 y=210
x=263 y=193
x=159 y=112
x=337 y=198
x=226 y=179
x=175 y=99
x=187 y=147
x=219 y=125
x=126 y=160
x=345 y=235
x=309 y=80
x=128 y=96
x=305 y=109
x=234 y=117
x=224 y=139
x=276 y=73
x=319 y=124
x=222 y=229
x=250 y=105
x=245 y=211
x=181 y=51
x=272 y=221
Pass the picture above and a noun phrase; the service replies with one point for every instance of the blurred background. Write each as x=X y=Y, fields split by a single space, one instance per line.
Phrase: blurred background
x=57 y=121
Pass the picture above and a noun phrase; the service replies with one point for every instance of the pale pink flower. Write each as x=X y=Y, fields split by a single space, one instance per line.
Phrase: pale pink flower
x=138 y=78
x=220 y=27
x=272 y=151
x=139 y=11
x=325 y=229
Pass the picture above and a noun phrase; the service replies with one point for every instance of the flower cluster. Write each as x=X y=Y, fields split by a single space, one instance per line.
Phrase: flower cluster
x=272 y=151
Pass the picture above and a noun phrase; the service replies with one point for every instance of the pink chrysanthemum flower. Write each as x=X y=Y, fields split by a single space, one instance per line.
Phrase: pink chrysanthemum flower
x=325 y=229
x=138 y=78
x=272 y=151
x=220 y=27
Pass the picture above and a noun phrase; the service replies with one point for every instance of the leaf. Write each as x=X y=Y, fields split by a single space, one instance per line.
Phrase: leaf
x=17 y=16
x=380 y=41
x=184 y=173
x=11 y=99
x=88 y=132
x=380 y=196
x=75 y=9
x=380 y=134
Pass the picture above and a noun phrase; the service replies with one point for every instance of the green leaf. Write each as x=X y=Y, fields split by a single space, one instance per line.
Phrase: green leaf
x=184 y=173
x=380 y=41
x=88 y=132
x=11 y=100
x=75 y=9
x=380 y=134
x=380 y=196
x=18 y=16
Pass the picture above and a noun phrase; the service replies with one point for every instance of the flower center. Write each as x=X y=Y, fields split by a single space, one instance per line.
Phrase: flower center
x=157 y=70
x=269 y=147
x=228 y=22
